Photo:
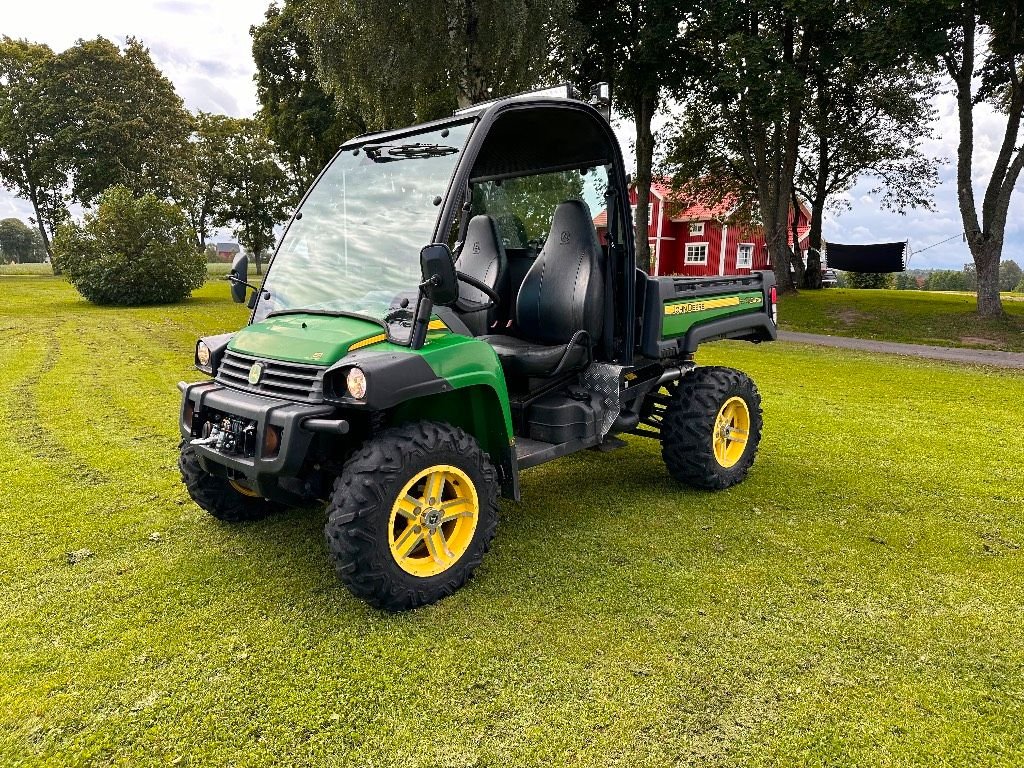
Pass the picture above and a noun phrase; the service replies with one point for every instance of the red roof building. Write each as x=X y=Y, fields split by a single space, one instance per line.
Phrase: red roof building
x=701 y=241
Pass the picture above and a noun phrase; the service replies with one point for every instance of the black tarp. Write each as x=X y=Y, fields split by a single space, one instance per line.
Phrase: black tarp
x=879 y=257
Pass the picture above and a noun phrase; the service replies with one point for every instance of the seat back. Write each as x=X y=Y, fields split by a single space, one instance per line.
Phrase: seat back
x=483 y=257
x=563 y=291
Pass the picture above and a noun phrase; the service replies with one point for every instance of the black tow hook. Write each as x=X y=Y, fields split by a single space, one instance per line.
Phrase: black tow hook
x=326 y=426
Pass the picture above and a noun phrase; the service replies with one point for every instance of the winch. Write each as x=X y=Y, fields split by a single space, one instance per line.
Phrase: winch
x=229 y=434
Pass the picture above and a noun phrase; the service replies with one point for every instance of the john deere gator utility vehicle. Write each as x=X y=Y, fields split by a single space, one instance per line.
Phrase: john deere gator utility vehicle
x=451 y=304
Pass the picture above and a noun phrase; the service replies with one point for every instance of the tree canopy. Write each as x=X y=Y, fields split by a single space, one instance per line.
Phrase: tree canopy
x=643 y=50
x=19 y=242
x=405 y=62
x=257 y=191
x=33 y=164
x=306 y=123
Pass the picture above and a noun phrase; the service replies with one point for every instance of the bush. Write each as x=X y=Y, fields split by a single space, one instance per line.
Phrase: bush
x=131 y=251
x=868 y=279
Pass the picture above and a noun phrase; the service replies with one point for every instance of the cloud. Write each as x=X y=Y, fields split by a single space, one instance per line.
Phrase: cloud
x=201 y=93
x=180 y=7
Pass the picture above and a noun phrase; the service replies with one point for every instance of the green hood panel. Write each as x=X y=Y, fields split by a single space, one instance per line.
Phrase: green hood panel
x=300 y=338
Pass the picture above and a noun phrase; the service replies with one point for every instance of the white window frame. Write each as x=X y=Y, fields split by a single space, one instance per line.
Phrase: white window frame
x=750 y=259
x=686 y=256
x=696 y=227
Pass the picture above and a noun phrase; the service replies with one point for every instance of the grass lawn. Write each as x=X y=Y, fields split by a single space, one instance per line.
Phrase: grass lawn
x=214 y=269
x=915 y=317
x=858 y=601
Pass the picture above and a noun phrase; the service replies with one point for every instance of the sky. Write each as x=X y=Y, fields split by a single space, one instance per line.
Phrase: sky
x=203 y=46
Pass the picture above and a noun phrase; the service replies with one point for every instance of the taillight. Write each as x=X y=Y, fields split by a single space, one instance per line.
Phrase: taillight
x=773 y=296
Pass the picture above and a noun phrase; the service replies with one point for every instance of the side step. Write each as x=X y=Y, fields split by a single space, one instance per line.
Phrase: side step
x=530 y=453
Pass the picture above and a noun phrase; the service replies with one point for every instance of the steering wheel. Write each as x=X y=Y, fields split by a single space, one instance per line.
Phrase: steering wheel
x=485 y=289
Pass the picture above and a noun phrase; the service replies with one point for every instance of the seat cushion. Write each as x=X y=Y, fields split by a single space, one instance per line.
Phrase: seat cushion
x=524 y=358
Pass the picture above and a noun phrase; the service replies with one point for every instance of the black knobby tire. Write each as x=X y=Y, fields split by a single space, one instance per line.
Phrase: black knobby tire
x=360 y=510
x=215 y=494
x=688 y=428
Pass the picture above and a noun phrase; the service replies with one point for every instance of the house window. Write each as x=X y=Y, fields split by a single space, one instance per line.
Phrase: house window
x=697 y=228
x=745 y=256
x=696 y=253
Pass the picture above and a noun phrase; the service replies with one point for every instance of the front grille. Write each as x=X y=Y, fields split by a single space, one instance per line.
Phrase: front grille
x=291 y=381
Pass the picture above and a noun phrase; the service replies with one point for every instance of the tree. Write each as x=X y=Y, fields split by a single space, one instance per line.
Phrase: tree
x=640 y=48
x=1010 y=274
x=131 y=250
x=121 y=120
x=31 y=163
x=305 y=122
x=200 y=185
x=257 y=193
x=744 y=104
x=864 y=116
x=19 y=242
x=1000 y=79
x=905 y=282
x=406 y=61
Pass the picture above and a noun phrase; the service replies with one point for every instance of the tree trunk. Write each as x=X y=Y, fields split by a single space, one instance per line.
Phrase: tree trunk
x=47 y=245
x=472 y=85
x=799 y=269
x=643 y=112
x=778 y=252
x=986 y=259
x=812 y=278
x=985 y=235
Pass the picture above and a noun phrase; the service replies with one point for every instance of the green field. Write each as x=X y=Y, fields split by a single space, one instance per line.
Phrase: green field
x=214 y=269
x=915 y=317
x=858 y=601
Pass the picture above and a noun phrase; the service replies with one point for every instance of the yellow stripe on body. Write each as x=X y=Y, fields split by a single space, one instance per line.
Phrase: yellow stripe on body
x=435 y=325
x=701 y=305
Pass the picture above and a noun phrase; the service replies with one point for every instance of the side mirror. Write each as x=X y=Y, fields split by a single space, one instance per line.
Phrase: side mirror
x=240 y=273
x=440 y=283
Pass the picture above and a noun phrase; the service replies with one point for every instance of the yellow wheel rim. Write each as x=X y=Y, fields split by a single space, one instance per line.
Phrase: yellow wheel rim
x=732 y=430
x=243 y=490
x=433 y=520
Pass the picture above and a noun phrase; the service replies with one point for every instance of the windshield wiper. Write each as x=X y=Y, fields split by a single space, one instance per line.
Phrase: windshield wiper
x=389 y=153
x=326 y=313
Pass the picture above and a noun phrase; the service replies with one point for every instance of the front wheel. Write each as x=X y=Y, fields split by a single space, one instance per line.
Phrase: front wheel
x=225 y=499
x=711 y=428
x=412 y=515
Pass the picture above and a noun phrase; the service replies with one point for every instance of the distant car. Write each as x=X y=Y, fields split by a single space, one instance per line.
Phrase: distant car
x=829 y=278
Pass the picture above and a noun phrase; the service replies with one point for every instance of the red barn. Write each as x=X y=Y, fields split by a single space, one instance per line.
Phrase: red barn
x=700 y=240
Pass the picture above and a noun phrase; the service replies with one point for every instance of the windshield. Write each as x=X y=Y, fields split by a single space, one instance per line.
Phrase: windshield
x=354 y=245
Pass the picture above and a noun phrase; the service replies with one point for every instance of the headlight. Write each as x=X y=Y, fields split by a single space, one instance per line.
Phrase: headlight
x=356 y=383
x=203 y=355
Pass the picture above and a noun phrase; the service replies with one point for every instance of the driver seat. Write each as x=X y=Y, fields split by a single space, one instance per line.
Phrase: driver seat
x=559 y=311
x=483 y=257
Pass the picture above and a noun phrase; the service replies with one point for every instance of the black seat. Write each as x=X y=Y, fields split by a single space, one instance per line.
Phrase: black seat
x=559 y=310
x=483 y=257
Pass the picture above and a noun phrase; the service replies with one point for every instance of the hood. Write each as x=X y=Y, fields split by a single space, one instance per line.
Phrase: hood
x=310 y=339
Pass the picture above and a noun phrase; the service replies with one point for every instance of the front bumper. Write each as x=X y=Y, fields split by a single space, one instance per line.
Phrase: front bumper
x=262 y=473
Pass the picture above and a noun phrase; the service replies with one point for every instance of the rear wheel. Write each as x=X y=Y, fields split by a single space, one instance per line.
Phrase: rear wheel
x=412 y=515
x=224 y=499
x=711 y=428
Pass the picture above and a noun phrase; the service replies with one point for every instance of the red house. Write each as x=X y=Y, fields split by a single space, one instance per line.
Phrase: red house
x=701 y=241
